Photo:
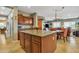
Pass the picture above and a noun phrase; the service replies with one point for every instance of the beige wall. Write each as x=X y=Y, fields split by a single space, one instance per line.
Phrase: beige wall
x=24 y=14
x=35 y=21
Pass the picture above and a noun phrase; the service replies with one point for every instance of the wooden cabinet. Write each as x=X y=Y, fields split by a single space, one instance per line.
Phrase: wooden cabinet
x=20 y=19
x=36 y=39
x=28 y=20
x=22 y=41
x=38 y=44
x=25 y=20
x=31 y=21
x=48 y=43
x=35 y=47
x=27 y=43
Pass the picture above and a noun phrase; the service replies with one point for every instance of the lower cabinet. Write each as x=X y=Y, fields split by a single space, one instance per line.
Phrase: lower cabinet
x=48 y=44
x=32 y=44
x=37 y=44
x=27 y=43
x=35 y=47
x=21 y=37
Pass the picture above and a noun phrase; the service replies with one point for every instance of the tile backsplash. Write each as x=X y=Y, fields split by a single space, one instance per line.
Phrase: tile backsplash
x=24 y=26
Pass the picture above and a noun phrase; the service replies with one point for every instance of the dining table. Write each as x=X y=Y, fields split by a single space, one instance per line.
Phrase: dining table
x=59 y=33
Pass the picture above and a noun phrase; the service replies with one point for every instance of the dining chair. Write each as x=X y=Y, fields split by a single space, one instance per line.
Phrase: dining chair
x=65 y=35
x=69 y=32
x=60 y=35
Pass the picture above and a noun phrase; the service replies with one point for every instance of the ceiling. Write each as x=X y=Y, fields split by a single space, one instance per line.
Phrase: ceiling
x=4 y=11
x=49 y=11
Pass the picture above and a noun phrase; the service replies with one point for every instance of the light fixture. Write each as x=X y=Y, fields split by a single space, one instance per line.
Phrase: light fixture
x=56 y=15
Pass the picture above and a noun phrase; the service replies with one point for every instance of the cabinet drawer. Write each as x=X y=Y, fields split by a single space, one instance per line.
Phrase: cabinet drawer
x=36 y=39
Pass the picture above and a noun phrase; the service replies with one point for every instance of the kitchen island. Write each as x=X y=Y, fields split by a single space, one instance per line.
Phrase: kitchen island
x=38 y=41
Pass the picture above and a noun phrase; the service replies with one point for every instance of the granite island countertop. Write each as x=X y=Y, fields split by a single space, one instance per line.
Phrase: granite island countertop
x=40 y=33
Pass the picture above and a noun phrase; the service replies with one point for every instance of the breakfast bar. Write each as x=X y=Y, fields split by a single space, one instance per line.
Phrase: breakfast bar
x=38 y=41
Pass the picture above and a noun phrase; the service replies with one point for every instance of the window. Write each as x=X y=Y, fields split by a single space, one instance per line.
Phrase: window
x=56 y=24
x=69 y=24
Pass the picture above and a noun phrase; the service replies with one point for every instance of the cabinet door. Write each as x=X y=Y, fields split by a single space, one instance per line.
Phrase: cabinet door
x=27 y=43
x=26 y=20
x=21 y=36
x=35 y=47
x=49 y=43
x=55 y=39
x=30 y=21
x=20 y=19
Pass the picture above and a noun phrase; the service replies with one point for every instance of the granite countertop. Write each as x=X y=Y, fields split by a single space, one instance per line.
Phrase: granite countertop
x=40 y=33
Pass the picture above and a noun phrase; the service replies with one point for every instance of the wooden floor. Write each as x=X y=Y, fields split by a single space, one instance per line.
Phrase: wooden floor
x=11 y=46
x=70 y=46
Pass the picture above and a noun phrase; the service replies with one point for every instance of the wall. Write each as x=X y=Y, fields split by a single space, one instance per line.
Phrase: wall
x=35 y=20
x=10 y=28
x=23 y=13
x=12 y=24
x=15 y=23
x=3 y=22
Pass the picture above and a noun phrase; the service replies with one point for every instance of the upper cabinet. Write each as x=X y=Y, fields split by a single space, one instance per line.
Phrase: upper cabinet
x=28 y=20
x=25 y=20
x=20 y=19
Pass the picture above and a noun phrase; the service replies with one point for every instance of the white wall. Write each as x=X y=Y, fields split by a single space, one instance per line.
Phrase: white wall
x=9 y=26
